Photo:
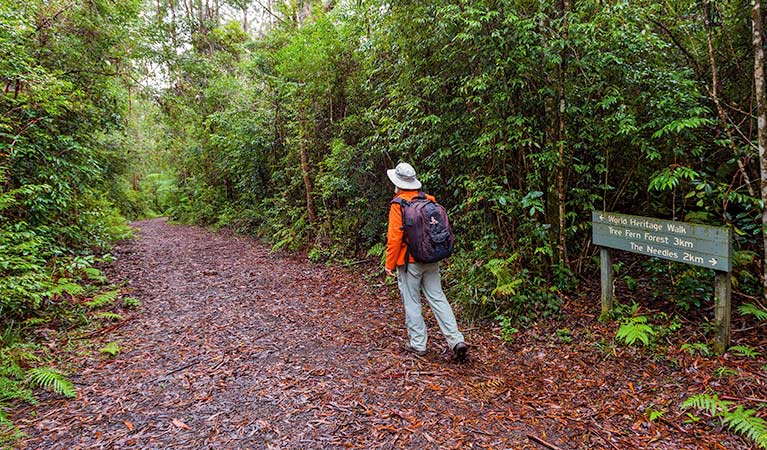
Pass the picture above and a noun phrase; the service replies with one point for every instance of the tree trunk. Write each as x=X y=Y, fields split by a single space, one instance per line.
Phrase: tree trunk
x=756 y=16
x=310 y=209
x=714 y=92
x=562 y=247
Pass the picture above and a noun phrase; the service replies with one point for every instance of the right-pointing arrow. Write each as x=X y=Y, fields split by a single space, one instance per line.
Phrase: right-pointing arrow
x=713 y=261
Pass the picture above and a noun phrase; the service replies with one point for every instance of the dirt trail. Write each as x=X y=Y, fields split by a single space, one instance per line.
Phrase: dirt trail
x=236 y=348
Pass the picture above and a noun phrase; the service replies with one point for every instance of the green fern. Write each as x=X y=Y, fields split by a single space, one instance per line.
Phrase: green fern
x=377 y=250
x=724 y=372
x=741 y=420
x=699 y=347
x=131 y=303
x=635 y=329
x=106 y=315
x=708 y=403
x=507 y=283
x=754 y=310
x=65 y=285
x=653 y=415
x=744 y=351
x=112 y=349
x=103 y=299
x=745 y=422
x=53 y=379
x=11 y=389
x=36 y=321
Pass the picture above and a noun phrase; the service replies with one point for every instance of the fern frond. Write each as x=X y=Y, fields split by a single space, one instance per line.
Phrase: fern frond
x=745 y=422
x=103 y=299
x=636 y=329
x=111 y=349
x=753 y=310
x=508 y=289
x=106 y=315
x=11 y=389
x=36 y=321
x=53 y=379
x=707 y=402
x=700 y=347
x=378 y=250
x=744 y=350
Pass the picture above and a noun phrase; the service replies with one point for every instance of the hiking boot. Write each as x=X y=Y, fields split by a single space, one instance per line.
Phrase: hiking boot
x=416 y=351
x=459 y=351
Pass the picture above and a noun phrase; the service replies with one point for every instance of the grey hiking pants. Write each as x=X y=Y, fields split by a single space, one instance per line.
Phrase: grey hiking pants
x=425 y=277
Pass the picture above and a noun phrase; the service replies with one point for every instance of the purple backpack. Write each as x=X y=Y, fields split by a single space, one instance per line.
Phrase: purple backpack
x=428 y=235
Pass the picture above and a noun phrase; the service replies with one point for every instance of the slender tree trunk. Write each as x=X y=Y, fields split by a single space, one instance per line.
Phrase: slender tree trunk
x=714 y=92
x=310 y=209
x=562 y=247
x=173 y=37
x=756 y=16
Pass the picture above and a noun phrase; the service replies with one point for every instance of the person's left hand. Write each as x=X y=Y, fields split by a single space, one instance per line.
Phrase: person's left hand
x=389 y=272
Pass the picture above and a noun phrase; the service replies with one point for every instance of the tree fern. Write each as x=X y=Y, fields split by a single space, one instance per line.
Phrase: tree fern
x=53 y=379
x=754 y=310
x=635 y=329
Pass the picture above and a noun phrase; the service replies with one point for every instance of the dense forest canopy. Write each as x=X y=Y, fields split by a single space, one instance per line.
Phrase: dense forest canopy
x=279 y=118
x=522 y=117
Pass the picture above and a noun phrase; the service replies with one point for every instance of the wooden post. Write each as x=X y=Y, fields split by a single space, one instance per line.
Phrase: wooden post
x=722 y=292
x=606 y=265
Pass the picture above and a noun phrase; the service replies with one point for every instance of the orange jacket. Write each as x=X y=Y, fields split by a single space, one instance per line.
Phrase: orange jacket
x=395 y=246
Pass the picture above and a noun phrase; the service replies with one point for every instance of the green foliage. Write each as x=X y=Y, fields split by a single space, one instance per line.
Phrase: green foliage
x=251 y=130
x=653 y=415
x=103 y=299
x=743 y=351
x=751 y=309
x=131 y=302
x=741 y=420
x=724 y=372
x=106 y=315
x=635 y=329
x=52 y=379
x=564 y=335
x=507 y=330
x=700 y=348
x=111 y=349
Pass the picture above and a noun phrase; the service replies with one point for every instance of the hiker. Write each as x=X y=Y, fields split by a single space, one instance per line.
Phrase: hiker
x=414 y=277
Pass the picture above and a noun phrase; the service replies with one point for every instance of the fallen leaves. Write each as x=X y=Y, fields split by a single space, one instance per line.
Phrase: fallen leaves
x=178 y=423
x=253 y=350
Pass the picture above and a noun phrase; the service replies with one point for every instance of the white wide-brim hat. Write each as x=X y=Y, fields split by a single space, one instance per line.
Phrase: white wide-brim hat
x=403 y=176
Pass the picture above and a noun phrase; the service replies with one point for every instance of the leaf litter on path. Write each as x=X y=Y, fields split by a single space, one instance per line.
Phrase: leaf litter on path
x=235 y=347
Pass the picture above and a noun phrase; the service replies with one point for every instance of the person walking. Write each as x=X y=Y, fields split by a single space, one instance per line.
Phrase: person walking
x=414 y=277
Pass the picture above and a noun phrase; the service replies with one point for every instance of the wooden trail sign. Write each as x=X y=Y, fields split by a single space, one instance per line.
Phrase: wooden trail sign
x=699 y=245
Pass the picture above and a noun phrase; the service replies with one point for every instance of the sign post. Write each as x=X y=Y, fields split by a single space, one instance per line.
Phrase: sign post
x=699 y=245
